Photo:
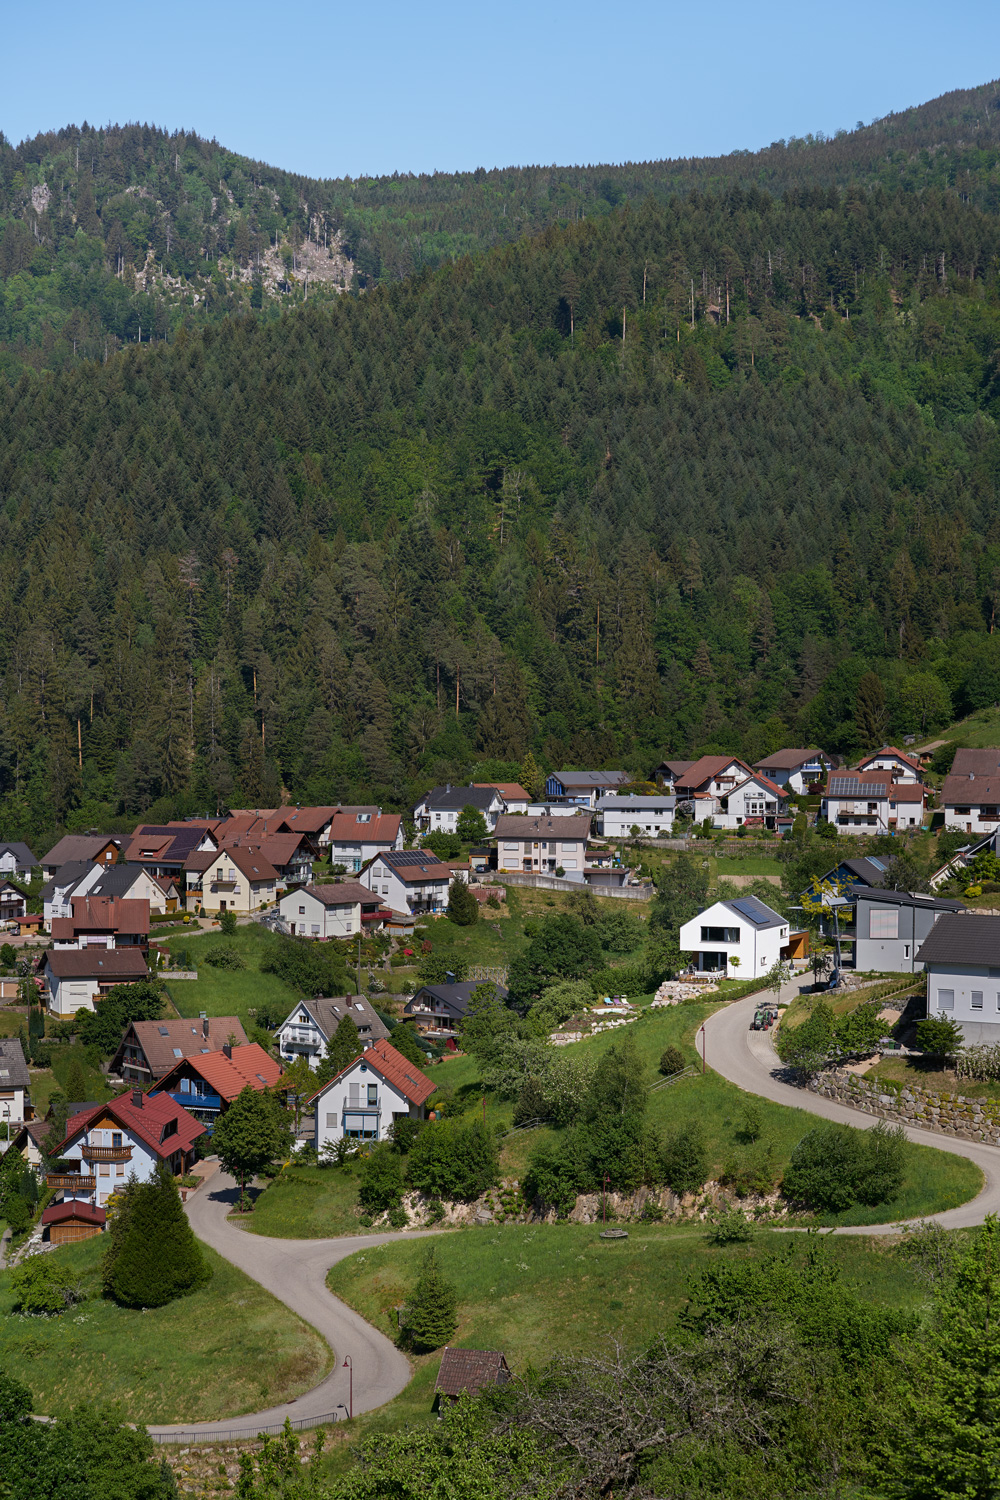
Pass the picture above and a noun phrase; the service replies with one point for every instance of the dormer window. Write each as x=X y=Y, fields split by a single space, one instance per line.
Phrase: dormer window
x=364 y=817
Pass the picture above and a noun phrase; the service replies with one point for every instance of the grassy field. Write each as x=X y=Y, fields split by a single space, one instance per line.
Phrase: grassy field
x=926 y=1074
x=229 y=1348
x=755 y=865
x=226 y=992
x=307 y=1203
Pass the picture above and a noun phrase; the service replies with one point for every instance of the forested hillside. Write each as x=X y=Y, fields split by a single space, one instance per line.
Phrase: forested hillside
x=120 y=234
x=369 y=544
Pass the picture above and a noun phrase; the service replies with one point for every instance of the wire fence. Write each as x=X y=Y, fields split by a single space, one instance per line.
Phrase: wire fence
x=244 y=1434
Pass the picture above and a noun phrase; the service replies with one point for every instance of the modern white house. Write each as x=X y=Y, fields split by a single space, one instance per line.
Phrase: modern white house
x=14 y=1081
x=741 y=939
x=365 y=1099
x=962 y=957
x=543 y=845
x=653 y=816
x=970 y=795
x=412 y=881
x=796 y=769
x=312 y=1023
x=439 y=810
x=356 y=836
x=901 y=767
x=583 y=788
x=340 y=910
x=17 y=859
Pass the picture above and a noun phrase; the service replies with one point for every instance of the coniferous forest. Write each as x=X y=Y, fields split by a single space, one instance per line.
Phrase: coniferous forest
x=603 y=463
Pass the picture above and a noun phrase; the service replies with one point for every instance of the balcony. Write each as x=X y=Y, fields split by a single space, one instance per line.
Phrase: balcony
x=71 y=1182
x=107 y=1153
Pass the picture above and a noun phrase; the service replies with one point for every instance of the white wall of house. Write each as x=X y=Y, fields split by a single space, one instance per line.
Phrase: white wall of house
x=968 y=994
x=751 y=800
x=898 y=768
x=67 y=996
x=308 y=916
x=109 y=1175
x=299 y=1036
x=617 y=816
x=720 y=934
x=360 y=1104
x=543 y=855
x=419 y=893
x=857 y=814
x=226 y=888
x=11 y=1102
x=435 y=819
x=972 y=817
x=355 y=852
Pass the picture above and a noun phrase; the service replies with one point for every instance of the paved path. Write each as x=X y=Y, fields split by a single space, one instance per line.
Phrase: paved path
x=294 y=1271
x=748 y=1058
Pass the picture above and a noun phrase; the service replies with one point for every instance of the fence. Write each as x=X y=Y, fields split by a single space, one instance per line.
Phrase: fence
x=194 y=1435
x=664 y=1083
x=553 y=883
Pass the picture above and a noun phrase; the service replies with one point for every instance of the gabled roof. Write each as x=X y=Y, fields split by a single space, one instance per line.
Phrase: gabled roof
x=338 y=893
x=74 y=1208
x=166 y=843
x=710 y=766
x=962 y=938
x=770 y=786
x=102 y=914
x=329 y=1010
x=788 y=760
x=675 y=767
x=124 y=964
x=277 y=848
x=872 y=784
x=13 y=1068
x=454 y=997
x=977 y=787
x=67 y=877
x=750 y=909
x=454 y=798
x=520 y=826
x=381 y=828
x=469 y=1370
x=591 y=779
x=162 y=1042
x=228 y=1076
x=251 y=863
x=391 y=1065
x=145 y=1121
x=117 y=880
x=21 y=853
x=908 y=760
x=83 y=846
x=304 y=819
x=510 y=791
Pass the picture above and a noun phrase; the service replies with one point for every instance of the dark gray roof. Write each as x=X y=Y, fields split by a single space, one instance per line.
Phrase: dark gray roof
x=591 y=778
x=454 y=997
x=328 y=1012
x=868 y=871
x=903 y=898
x=117 y=880
x=962 y=938
x=454 y=798
x=21 y=853
x=788 y=760
x=66 y=877
x=756 y=912
x=80 y=846
x=13 y=1068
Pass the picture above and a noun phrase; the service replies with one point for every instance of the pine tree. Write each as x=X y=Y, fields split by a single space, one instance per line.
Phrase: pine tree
x=463 y=908
x=154 y=1256
x=870 y=711
x=343 y=1046
x=76 y=1083
x=431 y=1317
x=530 y=775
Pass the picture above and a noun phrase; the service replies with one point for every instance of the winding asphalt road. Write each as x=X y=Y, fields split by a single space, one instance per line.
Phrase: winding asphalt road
x=748 y=1058
x=294 y=1271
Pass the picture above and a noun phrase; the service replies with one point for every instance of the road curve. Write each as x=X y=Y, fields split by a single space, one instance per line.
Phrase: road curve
x=748 y=1059
x=294 y=1271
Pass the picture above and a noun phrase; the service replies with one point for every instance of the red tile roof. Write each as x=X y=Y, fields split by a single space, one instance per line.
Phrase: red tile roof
x=908 y=760
x=250 y=862
x=103 y=914
x=74 y=1208
x=511 y=791
x=710 y=766
x=394 y=1068
x=145 y=1120
x=230 y=1075
x=345 y=829
x=469 y=1369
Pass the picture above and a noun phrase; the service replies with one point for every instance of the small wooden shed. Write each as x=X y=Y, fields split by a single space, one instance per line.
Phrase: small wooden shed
x=72 y=1220
x=469 y=1370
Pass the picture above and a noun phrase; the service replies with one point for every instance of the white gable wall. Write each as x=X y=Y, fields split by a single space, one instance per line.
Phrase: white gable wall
x=360 y=1104
x=721 y=933
x=308 y=916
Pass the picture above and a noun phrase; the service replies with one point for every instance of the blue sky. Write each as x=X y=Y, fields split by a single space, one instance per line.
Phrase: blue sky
x=328 y=91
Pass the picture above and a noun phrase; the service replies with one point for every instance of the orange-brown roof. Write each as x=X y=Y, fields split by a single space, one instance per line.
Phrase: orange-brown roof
x=394 y=1068
x=103 y=914
x=146 y=1120
x=908 y=760
x=511 y=790
x=229 y=1075
x=384 y=829
x=302 y=819
x=250 y=862
x=708 y=767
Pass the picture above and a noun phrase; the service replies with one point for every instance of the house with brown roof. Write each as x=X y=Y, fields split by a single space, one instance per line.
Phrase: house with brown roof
x=711 y=776
x=73 y=978
x=871 y=802
x=900 y=766
x=365 y=1098
x=208 y=1083
x=231 y=879
x=970 y=794
x=515 y=796
x=338 y=910
x=464 y=1372
x=102 y=922
x=668 y=772
x=543 y=844
x=358 y=834
x=149 y=1049
x=291 y=854
x=93 y=848
x=795 y=770
x=409 y=880
x=13 y=902
x=129 y=1136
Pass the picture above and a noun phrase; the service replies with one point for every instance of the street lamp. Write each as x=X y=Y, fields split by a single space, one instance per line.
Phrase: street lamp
x=349 y=1366
x=704 y=1046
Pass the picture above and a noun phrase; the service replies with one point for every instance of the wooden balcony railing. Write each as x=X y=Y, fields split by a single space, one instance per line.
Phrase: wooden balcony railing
x=107 y=1153
x=75 y=1182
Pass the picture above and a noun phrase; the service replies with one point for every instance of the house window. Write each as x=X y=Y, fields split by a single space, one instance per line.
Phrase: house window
x=720 y=934
x=884 y=924
x=977 y=999
x=568 y=848
x=373 y=1093
x=946 y=999
x=315 y=929
x=331 y=1122
x=302 y=911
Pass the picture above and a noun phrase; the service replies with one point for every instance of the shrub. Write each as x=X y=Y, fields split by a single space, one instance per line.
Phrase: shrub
x=750 y=1169
x=227 y=922
x=152 y=1255
x=685 y=1158
x=734 y=1228
x=404 y=1131
x=835 y=1166
x=17 y=1212
x=225 y=956
x=381 y=1185
x=454 y=1161
x=8 y=956
x=41 y=1285
x=431 y=1311
x=398 y=1217
x=671 y=1061
x=940 y=1036
x=463 y=908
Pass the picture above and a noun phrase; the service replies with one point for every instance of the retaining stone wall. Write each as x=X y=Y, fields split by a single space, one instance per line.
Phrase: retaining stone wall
x=948 y=1114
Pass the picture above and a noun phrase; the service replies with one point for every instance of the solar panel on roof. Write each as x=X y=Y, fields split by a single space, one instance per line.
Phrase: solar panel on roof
x=752 y=909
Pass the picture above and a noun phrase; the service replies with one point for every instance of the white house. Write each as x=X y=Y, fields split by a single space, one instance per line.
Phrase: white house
x=712 y=776
x=617 y=816
x=872 y=803
x=129 y=1136
x=369 y=1095
x=515 y=796
x=358 y=835
x=330 y=911
x=970 y=795
x=17 y=859
x=543 y=845
x=75 y=977
x=795 y=770
x=439 y=810
x=900 y=766
x=235 y=879
x=754 y=802
x=14 y=1081
x=312 y=1023
x=961 y=954
x=409 y=880
x=742 y=939
x=583 y=788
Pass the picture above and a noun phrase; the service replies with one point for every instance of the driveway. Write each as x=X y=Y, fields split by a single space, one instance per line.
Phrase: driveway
x=294 y=1271
x=748 y=1059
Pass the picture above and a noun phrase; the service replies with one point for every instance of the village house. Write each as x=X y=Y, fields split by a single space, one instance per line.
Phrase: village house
x=900 y=766
x=443 y=1007
x=411 y=881
x=740 y=939
x=163 y=850
x=889 y=927
x=93 y=848
x=366 y=1098
x=970 y=794
x=615 y=817
x=340 y=910
x=515 y=797
x=795 y=771
x=669 y=772
x=439 y=810
x=543 y=845
x=13 y=902
x=73 y=978
x=233 y=879
x=149 y=1049
x=870 y=871
x=583 y=788
x=108 y=1143
x=15 y=1082
x=314 y=822
x=29 y=1142
x=102 y=922
x=961 y=954
x=207 y=1083
x=872 y=803
x=17 y=860
x=711 y=777
x=311 y=1025
x=126 y=883
x=754 y=802
x=291 y=854
x=357 y=837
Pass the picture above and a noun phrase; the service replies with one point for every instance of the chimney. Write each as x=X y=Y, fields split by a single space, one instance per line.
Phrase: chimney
x=228 y=1050
x=204 y=1024
x=137 y=1098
